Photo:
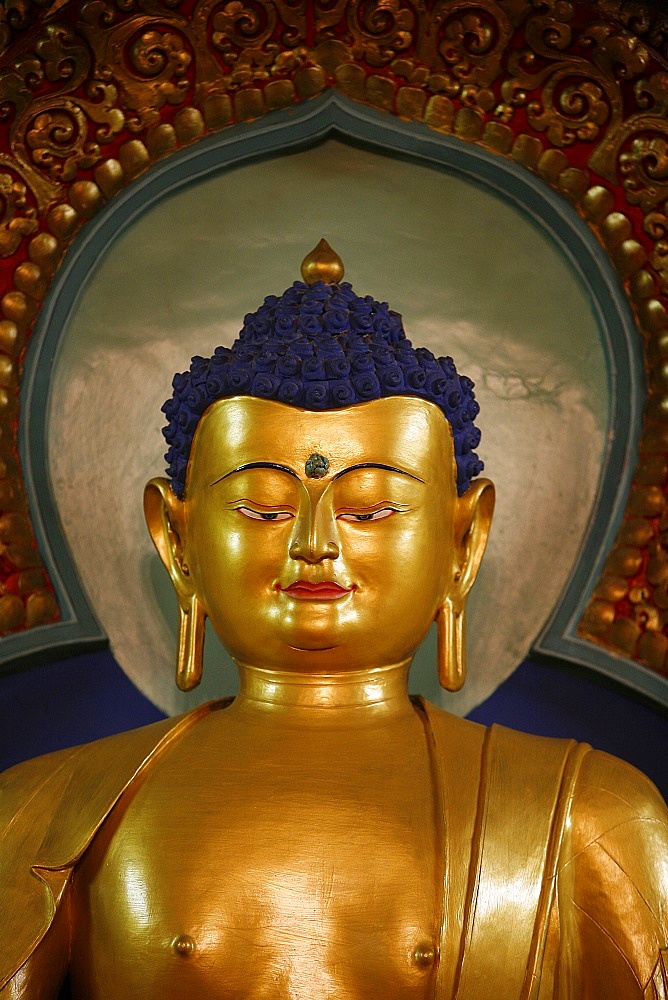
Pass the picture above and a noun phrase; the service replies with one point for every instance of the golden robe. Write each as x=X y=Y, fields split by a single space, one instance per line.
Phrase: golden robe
x=556 y=862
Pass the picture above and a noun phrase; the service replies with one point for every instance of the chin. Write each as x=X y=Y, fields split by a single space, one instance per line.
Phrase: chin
x=312 y=656
x=316 y=641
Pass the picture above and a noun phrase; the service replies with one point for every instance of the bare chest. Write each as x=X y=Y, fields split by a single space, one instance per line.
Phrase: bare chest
x=269 y=877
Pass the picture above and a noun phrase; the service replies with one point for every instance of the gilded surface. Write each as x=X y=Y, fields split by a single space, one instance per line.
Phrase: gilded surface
x=92 y=93
x=325 y=835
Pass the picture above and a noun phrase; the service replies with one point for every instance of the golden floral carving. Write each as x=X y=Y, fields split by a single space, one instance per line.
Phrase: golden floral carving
x=238 y=26
x=137 y=67
x=465 y=45
x=328 y=14
x=381 y=29
x=656 y=226
x=644 y=20
x=15 y=224
x=644 y=169
x=579 y=93
x=651 y=97
x=15 y=16
x=50 y=136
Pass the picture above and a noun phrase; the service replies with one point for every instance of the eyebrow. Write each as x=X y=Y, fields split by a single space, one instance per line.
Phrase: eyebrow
x=291 y=472
x=377 y=465
x=258 y=465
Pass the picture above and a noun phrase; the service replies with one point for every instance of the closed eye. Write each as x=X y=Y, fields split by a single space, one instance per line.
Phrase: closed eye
x=359 y=516
x=260 y=511
x=265 y=515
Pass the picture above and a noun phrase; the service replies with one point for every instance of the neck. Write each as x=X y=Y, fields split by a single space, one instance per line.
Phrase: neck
x=381 y=690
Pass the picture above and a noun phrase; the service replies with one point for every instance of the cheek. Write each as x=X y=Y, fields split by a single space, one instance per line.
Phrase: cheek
x=400 y=559
x=231 y=552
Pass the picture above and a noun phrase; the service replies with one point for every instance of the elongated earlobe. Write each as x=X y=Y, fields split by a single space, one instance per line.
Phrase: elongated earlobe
x=473 y=518
x=192 y=623
x=165 y=520
x=451 y=647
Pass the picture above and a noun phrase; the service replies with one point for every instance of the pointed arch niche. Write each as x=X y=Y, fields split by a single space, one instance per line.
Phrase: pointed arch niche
x=484 y=261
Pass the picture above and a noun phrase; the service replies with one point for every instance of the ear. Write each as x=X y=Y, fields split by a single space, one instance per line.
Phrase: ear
x=473 y=519
x=165 y=517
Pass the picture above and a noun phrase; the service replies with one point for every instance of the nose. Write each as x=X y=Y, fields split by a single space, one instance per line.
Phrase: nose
x=315 y=535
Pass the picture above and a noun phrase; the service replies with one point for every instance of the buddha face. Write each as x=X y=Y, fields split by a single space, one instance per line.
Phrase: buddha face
x=321 y=541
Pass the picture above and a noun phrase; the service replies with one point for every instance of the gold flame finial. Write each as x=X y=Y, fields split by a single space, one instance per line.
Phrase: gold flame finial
x=322 y=264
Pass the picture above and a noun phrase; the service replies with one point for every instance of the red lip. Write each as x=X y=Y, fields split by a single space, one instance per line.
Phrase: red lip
x=303 y=590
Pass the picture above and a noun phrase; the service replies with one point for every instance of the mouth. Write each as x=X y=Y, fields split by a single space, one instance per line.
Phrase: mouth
x=327 y=590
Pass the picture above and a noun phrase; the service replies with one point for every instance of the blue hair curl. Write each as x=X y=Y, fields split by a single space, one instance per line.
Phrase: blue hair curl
x=321 y=347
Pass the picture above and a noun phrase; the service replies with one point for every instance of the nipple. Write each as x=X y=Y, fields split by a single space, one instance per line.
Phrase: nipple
x=424 y=955
x=183 y=945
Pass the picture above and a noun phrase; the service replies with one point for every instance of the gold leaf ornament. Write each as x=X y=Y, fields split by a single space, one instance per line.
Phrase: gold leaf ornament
x=14 y=226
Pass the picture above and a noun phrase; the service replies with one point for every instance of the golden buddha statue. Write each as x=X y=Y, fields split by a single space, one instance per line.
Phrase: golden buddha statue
x=323 y=835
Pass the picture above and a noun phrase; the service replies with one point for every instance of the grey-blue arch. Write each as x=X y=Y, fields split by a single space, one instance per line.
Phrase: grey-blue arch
x=308 y=124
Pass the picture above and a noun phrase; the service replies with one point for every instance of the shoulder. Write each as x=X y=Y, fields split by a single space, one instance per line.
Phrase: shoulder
x=108 y=745
x=613 y=858
x=449 y=726
x=525 y=757
x=602 y=774
x=80 y=784
x=24 y=780
x=613 y=877
x=618 y=810
x=50 y=810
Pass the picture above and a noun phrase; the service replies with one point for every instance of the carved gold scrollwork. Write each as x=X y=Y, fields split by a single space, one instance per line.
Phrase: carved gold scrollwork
x=293 y=23
x=572 y=107
x=147 y=60
x=381 y=29
x=159 y=58
x=644 y=170
x=15 y=16
x=160 y=54
x=467 y=42
x=15 y=220
x=578 y=95
x=652 y=99
x=58 y=144
x=62 y=55
x=643 y=20
x=548 y=31
x=327 y=14
x=656 y=225
x=51 y=134
x=238 y=26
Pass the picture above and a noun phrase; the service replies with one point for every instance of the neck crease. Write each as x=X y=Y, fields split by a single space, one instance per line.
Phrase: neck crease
x=383 y=689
